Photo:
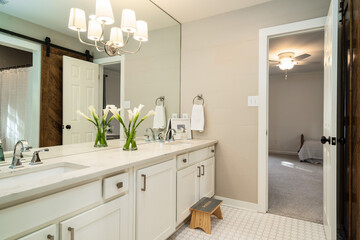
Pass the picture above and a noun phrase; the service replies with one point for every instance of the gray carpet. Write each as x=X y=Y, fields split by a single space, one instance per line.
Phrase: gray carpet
x=295 y=188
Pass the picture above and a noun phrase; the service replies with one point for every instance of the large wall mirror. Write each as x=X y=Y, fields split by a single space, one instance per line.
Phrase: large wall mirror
x=31 y=74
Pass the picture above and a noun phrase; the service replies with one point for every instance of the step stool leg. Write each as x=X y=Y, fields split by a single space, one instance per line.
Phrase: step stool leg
x=218 y=213
x=201 y=220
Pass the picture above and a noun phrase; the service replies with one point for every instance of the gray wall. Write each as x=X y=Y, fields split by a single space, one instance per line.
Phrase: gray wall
x=220 y=60
x=295 y=108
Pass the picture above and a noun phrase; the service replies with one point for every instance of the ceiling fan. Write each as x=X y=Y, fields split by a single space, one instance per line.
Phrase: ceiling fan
x=287 y=61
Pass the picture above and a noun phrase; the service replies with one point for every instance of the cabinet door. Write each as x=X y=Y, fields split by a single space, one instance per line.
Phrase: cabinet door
x=188 y=181
x=207 y=179
x=48 y=233
x=155 y=201
x=108 y=221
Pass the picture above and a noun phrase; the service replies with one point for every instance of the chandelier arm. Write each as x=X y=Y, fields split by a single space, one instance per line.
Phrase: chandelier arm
x=102 y=33
x=127 y=39
x=100 y=49
x=89 y=44
x=125 y=51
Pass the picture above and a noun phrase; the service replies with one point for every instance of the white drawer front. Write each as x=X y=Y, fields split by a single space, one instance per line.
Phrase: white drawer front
x=198 y=155
x=45 y=209
x=182 y=160
x=115 y=185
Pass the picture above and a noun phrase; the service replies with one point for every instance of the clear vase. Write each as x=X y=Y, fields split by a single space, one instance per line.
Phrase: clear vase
x=100 y=140
x=130 y=144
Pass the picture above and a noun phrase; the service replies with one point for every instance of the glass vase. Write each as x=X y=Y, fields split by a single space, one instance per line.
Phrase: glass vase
x=100 y=140
x=130 y=144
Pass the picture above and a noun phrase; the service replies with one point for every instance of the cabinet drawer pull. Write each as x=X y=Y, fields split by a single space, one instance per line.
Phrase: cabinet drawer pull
x=203 y=170
x=212 y=150
x=72 y=233
x=144 y=188
x=50 y=237
x=184 y=160
x=199 y=174
x=119 y=185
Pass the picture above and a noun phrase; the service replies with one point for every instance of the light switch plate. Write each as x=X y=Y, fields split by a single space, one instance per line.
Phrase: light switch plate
x=253 y=101
x=127 y=105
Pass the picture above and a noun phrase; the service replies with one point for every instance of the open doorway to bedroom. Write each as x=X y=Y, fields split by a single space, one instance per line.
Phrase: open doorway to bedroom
x=296 y=88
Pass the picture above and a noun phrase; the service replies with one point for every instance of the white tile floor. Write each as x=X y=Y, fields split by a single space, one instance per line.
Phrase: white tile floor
x=243 y=224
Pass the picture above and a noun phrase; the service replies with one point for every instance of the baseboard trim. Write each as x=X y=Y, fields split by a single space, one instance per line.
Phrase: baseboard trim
x=238 y=204
x=282 y=152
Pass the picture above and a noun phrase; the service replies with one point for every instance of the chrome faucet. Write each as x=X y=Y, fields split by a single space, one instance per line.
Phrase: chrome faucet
x=152 y=135
x=20 y=147
x=167 y=136
x=36 y=158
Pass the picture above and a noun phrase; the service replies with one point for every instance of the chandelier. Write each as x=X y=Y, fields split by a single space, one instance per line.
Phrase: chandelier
x=96 y=26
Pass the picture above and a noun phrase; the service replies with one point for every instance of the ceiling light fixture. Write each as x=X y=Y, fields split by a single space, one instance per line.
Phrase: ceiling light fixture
x=287 y=60
x=104 y=16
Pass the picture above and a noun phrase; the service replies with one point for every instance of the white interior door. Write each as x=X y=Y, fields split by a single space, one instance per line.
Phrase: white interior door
x=330 y=117
x=80 y=89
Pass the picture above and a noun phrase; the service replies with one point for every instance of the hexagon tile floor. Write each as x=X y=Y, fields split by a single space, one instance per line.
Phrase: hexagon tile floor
x=250 y=225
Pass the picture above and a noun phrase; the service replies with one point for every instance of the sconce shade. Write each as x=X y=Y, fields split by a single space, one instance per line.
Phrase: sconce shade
x=128 y=21
x=94 y=31
x=142 y=31
x=77 y=20
x=104 y=13
x=116 y=37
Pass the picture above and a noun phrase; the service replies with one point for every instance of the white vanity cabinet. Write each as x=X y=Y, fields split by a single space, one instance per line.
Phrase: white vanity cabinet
x=108 y=221
x=47 y=233
x=156 y=201
x=195 y=181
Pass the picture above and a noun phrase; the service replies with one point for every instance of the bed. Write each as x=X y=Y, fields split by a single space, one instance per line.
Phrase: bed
x=310 y=150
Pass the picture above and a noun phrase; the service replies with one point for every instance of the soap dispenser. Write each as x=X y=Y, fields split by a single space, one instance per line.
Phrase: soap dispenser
x=2 y=158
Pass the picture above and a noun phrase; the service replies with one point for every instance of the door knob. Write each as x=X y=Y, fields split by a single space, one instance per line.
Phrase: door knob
x=68 y=127
x=324 y=140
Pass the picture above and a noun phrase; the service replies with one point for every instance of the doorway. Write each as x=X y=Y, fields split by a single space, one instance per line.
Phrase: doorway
x=296 y=86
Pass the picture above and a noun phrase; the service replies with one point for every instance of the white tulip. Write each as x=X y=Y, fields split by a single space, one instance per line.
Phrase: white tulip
x=93 y=111
x=106 y=112
x=83 y=115
x=150 y=113
x=131 y=114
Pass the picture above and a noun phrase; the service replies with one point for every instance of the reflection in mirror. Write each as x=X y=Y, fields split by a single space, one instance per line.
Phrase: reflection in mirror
x=35 y=112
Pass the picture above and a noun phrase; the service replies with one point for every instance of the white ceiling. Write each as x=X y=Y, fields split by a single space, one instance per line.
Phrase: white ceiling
x=55 y=14
x=191 y=10
x=309 y=42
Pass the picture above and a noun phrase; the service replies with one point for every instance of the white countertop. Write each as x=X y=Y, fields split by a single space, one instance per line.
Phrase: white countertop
x=98 y=162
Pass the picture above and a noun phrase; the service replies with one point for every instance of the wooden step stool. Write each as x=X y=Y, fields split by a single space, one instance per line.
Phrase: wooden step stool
x=202 y=211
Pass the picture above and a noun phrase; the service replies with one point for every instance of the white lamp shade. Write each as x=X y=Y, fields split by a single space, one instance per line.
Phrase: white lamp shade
x=128 y=21
x=104 y=13
x=142 y=31
x=116 y=37
x=77 y=20
x=94 y=31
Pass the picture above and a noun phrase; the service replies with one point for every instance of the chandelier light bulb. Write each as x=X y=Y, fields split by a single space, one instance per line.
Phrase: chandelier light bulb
x=142 y=31
x=77 y=20
x=128 y=21
x=104 y=13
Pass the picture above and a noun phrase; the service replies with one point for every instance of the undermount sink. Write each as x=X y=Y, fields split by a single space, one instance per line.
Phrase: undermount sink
x=34 y=174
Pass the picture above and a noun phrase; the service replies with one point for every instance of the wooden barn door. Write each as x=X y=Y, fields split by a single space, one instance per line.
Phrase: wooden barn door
x=52 y=95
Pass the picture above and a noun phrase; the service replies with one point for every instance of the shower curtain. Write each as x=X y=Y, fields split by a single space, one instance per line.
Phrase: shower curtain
x=15 y=106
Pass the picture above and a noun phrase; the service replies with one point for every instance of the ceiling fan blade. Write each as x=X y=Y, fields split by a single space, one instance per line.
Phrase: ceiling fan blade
x=301 y=57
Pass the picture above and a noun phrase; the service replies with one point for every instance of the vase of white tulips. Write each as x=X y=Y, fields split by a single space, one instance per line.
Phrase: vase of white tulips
x=134 y=122
x=100 y=124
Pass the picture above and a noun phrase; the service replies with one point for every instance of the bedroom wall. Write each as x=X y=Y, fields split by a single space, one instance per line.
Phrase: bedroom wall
x=295 y=108
x=221 y=62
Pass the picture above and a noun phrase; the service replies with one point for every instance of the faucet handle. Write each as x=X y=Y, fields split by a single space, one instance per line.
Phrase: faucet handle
x=36 y=158
x=160 y=137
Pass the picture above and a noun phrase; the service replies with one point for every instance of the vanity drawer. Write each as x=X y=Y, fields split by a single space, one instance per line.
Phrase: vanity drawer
x=115 y=185
x=198 y=155
x=212 y=151
x=182 y=160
